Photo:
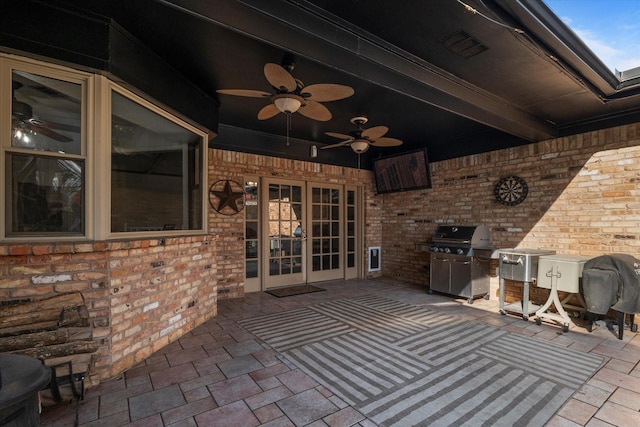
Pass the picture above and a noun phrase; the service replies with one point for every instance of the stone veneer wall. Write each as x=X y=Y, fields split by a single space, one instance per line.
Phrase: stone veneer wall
x=583 y=199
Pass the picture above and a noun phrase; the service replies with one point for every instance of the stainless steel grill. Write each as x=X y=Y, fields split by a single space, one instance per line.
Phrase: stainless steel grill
x=460 y=257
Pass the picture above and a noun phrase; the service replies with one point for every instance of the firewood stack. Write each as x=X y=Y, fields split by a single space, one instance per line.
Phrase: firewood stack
x=56 y=331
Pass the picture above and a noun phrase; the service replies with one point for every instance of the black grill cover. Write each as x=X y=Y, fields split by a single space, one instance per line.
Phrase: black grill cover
x=612 y=281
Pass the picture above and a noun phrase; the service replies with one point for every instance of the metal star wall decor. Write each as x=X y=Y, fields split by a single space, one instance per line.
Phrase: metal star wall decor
x=226 y=197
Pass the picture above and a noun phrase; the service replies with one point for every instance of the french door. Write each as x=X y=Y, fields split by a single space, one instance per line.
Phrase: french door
x=309 y=232
x=284 y=233
x=325 y=259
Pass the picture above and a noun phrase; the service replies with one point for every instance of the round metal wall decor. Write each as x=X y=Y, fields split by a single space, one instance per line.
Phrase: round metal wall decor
x=226 y=197
x=511 y=190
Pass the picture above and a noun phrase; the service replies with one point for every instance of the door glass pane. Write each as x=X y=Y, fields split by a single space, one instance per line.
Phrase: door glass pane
x=325 y=236
x=252 y=269
x=297 y=265
x=274 y=192
x=315 y=195
x=351 y=228
x=251 y=250
x=285 y=229
x=325 y=213
x=252 y=233
x=251 y=230
x=335 y=228
x=326 y=195
x=351 y=260
x=285 y=193
x=296 y=194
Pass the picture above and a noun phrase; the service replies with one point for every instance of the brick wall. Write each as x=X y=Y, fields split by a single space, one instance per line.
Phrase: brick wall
x=583 y=199
x=141 y=294
x=144 y=294
x=229 y=230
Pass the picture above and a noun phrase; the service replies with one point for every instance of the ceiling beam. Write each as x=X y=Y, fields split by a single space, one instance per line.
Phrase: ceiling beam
x=308 y=31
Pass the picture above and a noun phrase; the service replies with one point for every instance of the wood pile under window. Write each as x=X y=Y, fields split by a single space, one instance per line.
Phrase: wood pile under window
x=56 y=331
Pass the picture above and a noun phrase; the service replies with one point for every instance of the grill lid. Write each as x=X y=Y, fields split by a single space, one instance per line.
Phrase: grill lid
x=473 y=236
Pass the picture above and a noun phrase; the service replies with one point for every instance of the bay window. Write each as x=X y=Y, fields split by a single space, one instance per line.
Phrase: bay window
x=85 y=158
x=155 y=171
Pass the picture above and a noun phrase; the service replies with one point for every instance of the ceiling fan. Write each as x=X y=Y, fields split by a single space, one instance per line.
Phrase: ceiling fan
x=360 y=139
x=292 y=95
x=23 y=120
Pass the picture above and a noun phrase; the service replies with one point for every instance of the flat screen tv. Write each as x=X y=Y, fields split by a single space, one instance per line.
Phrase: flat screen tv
x=402 y=172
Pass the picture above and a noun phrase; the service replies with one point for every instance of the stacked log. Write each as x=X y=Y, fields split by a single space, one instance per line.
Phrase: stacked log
x=54 y=330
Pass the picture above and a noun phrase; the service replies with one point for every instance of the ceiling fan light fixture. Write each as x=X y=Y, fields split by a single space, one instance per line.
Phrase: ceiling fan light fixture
x=287 y=104
x=359 y=146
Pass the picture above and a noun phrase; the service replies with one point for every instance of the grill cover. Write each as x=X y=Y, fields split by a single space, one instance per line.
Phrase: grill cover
x=612 y=281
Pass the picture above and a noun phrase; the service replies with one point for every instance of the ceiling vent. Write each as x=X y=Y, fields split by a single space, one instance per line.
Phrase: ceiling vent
x=462 y=44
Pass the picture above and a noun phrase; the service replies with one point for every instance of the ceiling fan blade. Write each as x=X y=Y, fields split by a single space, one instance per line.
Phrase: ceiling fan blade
x=338 y=135
x=244 y=92
x=46 y=132
x=267 y=112
x=385 y=142
x=339 y=144
x=315 y=110
x=279 y=77
x=326 y=92
x=21 y=110
x=375 y=132
x=56 y=126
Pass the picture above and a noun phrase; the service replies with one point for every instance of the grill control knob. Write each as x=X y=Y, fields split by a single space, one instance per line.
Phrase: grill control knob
x=460 y=251
x=433 y=249
x=447 y=250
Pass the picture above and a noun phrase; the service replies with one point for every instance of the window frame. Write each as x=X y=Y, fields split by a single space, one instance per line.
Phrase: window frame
x=95 y=151
x=9 y=63
x=104 y=174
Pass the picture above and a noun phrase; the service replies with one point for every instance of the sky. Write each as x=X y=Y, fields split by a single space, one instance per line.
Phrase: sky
x=610 y=28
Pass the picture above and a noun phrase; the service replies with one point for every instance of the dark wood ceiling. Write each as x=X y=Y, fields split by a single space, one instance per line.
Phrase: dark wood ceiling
x=453 y=77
